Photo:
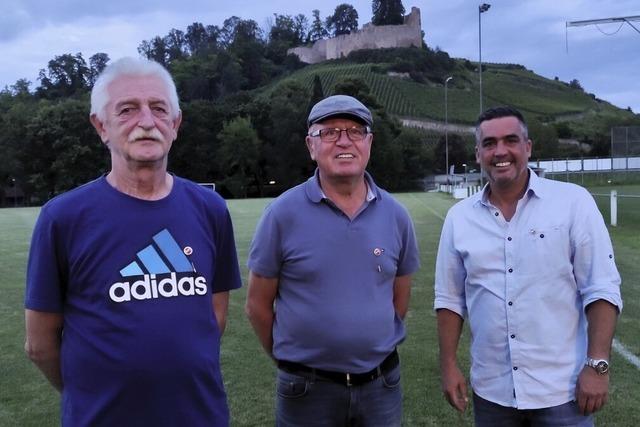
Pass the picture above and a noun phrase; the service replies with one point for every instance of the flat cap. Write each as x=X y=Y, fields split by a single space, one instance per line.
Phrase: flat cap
x=340 y=105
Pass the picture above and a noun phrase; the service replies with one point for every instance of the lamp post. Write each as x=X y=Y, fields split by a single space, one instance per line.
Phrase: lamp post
x=464 y=165
x=481 y=9
x=446 y=127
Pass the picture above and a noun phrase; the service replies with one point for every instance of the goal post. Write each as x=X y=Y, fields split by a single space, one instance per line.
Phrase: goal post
x=209 y=185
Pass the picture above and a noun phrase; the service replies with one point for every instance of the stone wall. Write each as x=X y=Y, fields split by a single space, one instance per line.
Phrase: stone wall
x=369 y=37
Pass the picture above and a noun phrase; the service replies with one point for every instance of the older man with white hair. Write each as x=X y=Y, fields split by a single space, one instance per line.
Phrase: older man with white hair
x=129 y=275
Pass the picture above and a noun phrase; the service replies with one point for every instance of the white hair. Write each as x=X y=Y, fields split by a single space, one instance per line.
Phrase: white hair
x=129 y=66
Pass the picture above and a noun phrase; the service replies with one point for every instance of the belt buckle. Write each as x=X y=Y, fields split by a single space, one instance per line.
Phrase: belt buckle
x=349 y=380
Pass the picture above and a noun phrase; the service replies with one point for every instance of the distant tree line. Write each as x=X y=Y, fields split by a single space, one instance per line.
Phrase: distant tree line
x=236 y=132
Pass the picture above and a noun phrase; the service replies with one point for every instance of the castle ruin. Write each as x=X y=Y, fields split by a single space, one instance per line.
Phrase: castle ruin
x=369 y=37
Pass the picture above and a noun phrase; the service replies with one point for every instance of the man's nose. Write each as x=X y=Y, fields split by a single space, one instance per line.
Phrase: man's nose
x=343 y=139
x=146 y=119
x=501 y=147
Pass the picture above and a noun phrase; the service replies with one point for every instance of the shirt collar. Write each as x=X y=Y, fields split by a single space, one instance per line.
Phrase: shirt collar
x=316 y=195
x=534 y=188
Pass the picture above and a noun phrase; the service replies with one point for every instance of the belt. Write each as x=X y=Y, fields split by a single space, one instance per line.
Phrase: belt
x=347 y=379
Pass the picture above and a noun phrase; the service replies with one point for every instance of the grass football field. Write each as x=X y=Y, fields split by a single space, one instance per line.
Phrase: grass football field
x=26 y=399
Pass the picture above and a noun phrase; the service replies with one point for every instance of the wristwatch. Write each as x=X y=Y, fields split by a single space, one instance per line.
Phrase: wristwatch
x=600 y=365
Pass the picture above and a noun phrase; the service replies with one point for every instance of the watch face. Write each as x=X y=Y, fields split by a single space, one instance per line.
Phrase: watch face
x=602 y=367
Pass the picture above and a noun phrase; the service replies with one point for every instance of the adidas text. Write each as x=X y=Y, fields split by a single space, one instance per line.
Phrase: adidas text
x=150 y=288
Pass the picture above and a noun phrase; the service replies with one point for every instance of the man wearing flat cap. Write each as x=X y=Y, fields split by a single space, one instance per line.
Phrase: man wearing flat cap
x=329 y=281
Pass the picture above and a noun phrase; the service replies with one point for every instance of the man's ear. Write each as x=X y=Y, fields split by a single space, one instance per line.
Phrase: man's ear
x=99 y=127
x=176 y=124
x=309 y=143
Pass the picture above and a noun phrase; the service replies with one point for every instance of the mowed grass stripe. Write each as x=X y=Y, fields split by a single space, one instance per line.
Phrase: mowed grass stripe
x=27 y=400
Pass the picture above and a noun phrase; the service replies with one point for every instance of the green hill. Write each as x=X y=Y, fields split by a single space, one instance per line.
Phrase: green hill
x=537 y=97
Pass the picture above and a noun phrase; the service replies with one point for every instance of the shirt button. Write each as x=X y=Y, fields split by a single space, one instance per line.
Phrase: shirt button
x=511 y=270
x=509 y=238
x=496 y=214
x=513 y=336
x=510 y=303
x=515 y=368
x=542 y=236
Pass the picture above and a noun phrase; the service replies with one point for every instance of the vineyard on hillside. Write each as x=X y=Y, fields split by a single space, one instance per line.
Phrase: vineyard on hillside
x=535 y=95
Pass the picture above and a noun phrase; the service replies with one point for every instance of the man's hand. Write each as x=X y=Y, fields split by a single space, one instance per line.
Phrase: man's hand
x=454 y=387
x=592 y=390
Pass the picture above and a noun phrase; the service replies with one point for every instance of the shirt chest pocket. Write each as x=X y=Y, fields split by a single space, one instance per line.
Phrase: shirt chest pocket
x=545 y=251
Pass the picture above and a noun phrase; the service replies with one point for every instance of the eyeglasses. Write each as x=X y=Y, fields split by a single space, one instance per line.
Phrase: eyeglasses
x=356 y=133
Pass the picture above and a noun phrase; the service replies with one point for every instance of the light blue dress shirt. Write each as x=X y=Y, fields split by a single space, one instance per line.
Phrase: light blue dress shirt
x=523 y=284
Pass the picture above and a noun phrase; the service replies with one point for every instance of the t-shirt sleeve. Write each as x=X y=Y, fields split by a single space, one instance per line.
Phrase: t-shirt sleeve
x=265 y=253
x=45 y=277
x=409 y=261
x=227 y=270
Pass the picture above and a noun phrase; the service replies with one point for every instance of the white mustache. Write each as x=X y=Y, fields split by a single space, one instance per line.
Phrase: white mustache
x=153 y=134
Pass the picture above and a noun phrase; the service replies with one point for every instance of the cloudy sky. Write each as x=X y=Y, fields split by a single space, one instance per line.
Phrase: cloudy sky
x=604 y=58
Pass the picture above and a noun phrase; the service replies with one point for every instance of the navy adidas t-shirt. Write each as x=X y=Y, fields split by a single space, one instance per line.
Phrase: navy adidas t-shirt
x=134 y=281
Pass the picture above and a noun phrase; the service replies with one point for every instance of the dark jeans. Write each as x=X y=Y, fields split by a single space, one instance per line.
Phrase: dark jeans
x=489 y=414
x=311 y=401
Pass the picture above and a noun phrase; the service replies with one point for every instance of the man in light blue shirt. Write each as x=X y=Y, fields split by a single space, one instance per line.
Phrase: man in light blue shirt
x=529 y=261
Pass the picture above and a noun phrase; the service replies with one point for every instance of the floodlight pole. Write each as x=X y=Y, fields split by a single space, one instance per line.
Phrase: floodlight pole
x=481 y=9
x=446 y=127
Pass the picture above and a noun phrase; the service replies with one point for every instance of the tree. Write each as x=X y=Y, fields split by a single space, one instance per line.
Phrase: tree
x=344 y=20
x=97 y=64
x=418 y=157
x=239 y=156
x=194 y=153
x=155 y=50
x=176 y=45
x=387 y=12
x=287 y=32
x=61 y=148
x=231 y=75
x=196 y=38
x=65 y=76
x=286 y=157
x=14 y=117
x=357 y=88
x=289 y=29
x=601 y=145
x=575 y=84
x=545 y=140
x=317 y=30
x=317 y=93
x=459 y=152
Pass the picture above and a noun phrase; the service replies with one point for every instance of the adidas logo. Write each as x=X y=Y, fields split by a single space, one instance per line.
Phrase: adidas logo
x=149 y=287
x=162 y=257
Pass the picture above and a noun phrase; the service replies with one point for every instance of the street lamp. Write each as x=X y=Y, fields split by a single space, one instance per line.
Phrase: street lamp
x=481 y=9
x=446 y=127
x=464 y=165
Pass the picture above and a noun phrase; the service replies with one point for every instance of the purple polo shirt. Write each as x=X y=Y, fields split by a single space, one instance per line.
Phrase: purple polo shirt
x=334 y=306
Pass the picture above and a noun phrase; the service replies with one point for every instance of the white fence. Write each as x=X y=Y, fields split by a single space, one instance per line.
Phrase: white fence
x=613 y=200
x=588 y=165
x=459 y=191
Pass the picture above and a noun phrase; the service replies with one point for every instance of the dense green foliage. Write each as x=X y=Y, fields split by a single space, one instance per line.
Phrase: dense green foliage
x=343 y=21
x=387 y=12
